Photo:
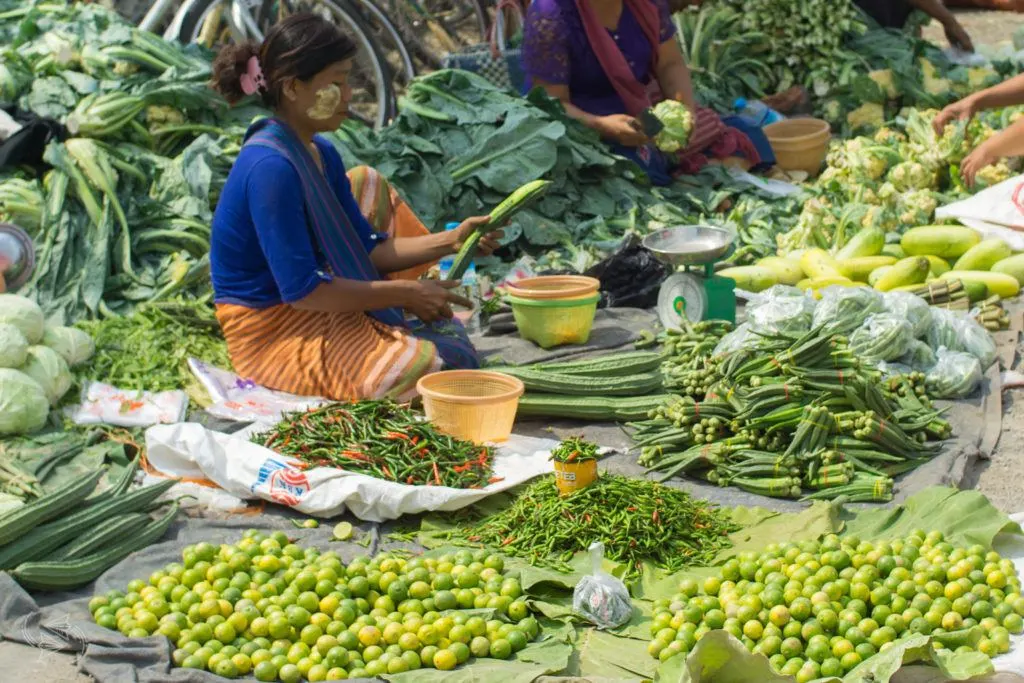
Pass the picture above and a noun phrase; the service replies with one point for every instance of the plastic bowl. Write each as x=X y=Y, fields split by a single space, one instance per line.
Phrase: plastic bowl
x=554 y=322
x=799 y=144
x=474 y=405
x=554 y=287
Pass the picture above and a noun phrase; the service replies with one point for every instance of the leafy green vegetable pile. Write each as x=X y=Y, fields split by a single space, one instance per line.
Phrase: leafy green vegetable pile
x=124 y=215
x=461 y=145
x=150 y=348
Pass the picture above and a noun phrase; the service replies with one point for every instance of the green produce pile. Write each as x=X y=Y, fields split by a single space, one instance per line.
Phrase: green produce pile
x=894 y=179
x=858 y=73
x=640 y=522
x=35 y=364
x=785 y=412
x=820 y=609
x=616 y=387
x=123 y=217
x=575 y=450
x=265 y=606
x=69 y=536
x=382 y=439
x=461 y=145
x=149 y=349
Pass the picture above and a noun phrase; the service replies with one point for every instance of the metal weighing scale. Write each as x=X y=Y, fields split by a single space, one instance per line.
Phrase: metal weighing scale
x=17 y=257
x=695 y=292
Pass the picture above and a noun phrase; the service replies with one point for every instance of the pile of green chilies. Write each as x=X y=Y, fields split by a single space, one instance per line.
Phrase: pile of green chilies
x=382 y=439
x=639 y=521
x=574 y=449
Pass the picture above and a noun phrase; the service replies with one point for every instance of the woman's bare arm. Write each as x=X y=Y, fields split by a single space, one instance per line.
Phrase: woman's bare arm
x=674 y=74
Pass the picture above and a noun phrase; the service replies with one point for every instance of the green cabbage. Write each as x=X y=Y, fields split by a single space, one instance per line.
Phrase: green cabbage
x=24 y=314
x=13 y=346
x=23 y=404
x=49 y=370
x=678 y=121
x=74 y=345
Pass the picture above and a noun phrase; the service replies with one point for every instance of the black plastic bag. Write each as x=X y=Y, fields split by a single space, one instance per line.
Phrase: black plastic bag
x=630 y=277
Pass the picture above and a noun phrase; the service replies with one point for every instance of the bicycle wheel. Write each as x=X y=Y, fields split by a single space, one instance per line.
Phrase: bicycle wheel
x=373 y=100
x=434 y=28
x=389 y=40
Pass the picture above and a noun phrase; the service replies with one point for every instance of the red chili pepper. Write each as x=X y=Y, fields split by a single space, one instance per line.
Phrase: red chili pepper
x=286 y=440
x=510 y=539
x=631 y=508
x=654 y=517
x=386 y=471
x=495 y=480
x=415 y=440
x=394 y=436
x=437 y=475
x=409 y=479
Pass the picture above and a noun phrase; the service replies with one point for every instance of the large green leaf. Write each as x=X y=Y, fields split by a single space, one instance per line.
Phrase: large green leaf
x=964 y=517
x=524 y=148
x=604 y=655
x=721 y=658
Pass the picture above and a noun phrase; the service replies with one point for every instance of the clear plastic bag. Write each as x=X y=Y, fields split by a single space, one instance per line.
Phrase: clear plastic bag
x=919 y=356
x=956 y=374
x=843 y=309
x=893 y=369
x=958 y=331
x=883 y=336
x=736 y=340
x=781 y=309
x=911 y=308
x=600 y=598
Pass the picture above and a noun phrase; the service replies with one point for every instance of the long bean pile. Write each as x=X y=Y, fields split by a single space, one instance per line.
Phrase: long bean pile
x=637 y=520
x=382 y=439
x=785 y=413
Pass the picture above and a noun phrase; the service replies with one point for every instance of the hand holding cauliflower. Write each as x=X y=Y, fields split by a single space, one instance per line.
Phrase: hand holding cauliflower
x=678 y=121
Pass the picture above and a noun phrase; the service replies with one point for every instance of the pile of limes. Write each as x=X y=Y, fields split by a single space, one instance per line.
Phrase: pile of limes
x=821 y=608
x=269 y=608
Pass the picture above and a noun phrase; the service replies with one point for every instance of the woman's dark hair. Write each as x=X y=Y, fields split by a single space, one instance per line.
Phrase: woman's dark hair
x=299 y=47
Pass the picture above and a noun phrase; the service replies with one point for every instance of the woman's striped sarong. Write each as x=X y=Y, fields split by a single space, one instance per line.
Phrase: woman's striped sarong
x=342 y=356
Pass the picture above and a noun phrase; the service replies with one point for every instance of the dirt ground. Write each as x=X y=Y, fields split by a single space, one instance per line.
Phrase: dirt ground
x=985 y=28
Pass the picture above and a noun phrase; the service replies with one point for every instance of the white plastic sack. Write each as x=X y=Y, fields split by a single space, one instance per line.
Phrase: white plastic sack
x=105 y=404
x=250 y=471
x=242 y=400
x=993 y=212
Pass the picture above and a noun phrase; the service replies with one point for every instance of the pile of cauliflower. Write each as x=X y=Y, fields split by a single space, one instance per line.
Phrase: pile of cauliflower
x=895 y=178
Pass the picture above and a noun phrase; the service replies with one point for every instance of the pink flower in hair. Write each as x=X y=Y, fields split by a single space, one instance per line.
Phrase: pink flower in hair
x=252 y=80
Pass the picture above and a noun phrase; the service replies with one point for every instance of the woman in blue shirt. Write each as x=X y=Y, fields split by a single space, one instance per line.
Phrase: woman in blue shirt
x=312 y=286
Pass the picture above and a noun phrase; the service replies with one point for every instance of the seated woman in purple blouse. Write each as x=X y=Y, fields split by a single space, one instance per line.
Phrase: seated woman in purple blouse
x=607 y=60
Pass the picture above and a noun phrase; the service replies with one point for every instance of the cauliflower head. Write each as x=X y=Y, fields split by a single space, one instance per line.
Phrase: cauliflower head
x=916 y=208
x=890 y=137
x=886 y=80
x=910 y=175
x=678 y=121
x=993 y=174
x=869 y=115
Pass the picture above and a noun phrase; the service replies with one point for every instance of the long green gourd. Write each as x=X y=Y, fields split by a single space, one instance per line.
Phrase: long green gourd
x=581 y=385
x=67 y=574
x=518 y=200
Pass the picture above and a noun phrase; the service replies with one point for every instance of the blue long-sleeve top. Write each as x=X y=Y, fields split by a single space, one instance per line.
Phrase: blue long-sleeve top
x=261 y=250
